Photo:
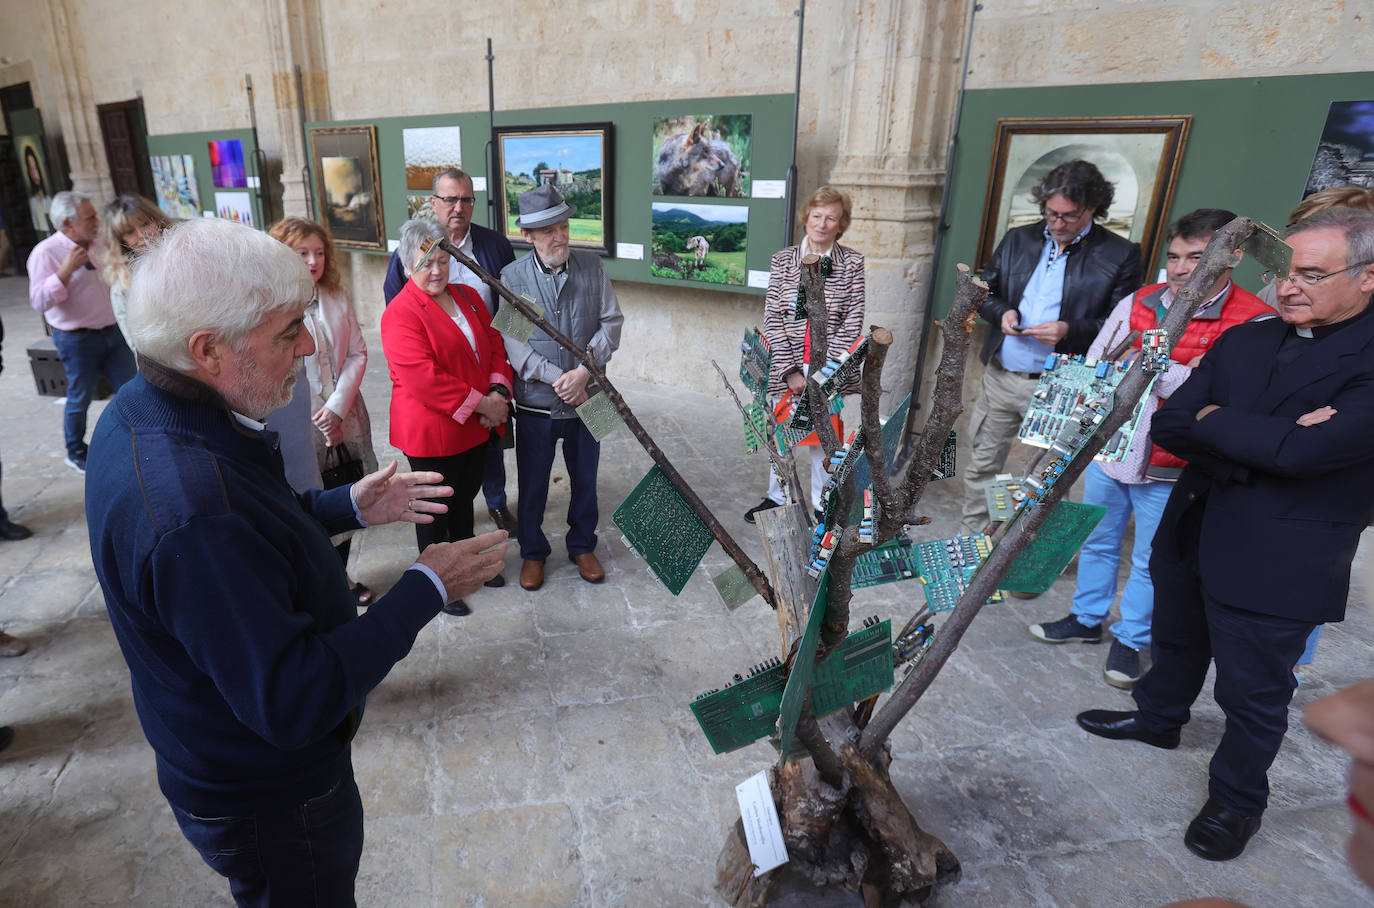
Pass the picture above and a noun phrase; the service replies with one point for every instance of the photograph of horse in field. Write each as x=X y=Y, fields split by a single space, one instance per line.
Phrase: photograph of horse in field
x=699 y=242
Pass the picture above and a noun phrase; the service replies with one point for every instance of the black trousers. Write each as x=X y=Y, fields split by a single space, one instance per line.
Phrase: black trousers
x=1255 y=654
x=463 y=472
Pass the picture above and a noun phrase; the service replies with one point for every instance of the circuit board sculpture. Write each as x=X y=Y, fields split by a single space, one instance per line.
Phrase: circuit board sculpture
x=1067 y=383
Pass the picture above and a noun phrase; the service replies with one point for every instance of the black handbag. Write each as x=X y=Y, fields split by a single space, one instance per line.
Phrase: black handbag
x=341 y=468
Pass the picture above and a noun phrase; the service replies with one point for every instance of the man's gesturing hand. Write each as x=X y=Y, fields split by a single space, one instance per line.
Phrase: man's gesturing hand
x=386 y=496
x=464 y=566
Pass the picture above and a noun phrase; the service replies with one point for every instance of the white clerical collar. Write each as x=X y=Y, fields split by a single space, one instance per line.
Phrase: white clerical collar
x=249 y=422
x=1303 y=332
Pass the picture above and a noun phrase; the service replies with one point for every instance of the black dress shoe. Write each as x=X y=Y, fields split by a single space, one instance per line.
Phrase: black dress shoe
x=457 y=609
x=1219 y=833
x=503 y=519
x=496 y=582
x=1121 y=726
x=14 y=531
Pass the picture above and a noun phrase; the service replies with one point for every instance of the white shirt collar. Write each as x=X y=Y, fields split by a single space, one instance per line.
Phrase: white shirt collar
x=249 y=422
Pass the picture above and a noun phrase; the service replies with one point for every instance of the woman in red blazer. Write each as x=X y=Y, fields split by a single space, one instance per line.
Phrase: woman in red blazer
x=450 y=382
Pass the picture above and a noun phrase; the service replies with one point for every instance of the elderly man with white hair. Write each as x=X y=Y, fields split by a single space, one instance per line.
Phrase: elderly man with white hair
x=248 y=662
x=65 y=285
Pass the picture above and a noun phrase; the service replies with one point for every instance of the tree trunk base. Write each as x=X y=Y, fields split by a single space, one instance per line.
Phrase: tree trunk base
x=859 y=847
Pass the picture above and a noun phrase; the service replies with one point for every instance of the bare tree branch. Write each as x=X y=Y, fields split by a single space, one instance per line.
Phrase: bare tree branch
x=727 y=542
x=784 y=461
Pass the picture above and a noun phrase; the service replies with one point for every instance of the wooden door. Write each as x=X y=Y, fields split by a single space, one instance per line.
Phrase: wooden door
x=126 y=146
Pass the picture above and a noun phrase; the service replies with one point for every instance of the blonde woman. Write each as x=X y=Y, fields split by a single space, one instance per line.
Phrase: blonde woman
x=127 y=226
x=335 y=371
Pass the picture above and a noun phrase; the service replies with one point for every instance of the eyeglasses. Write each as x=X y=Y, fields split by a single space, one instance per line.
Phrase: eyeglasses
x=1067 y=217
x=451 y=200
x=1306 y=279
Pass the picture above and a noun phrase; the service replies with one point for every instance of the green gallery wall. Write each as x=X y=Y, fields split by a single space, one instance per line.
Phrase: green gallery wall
x=1249 y=149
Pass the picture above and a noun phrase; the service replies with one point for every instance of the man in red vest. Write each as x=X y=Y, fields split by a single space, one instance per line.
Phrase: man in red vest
x=1141 y=482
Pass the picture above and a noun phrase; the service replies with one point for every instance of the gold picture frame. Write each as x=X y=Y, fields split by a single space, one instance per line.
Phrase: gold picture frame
x=1140 y=155
x=348 y=186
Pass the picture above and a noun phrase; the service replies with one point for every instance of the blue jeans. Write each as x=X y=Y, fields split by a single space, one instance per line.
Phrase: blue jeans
x=86 y=354
x=494 y=475
x=1101 y=555
x=305 y=854
x=535 y=439
x=1306 y=658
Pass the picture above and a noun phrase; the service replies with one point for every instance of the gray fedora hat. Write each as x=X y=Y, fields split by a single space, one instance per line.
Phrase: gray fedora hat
x=542 y=206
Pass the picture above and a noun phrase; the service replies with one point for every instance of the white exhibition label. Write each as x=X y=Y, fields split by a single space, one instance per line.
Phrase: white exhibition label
x=762 y=831
x=629 y=251
x=769 y=189
x=253 y=183
x=393 y=245
x=759 y=279
x=207 y=213
x=479 y=184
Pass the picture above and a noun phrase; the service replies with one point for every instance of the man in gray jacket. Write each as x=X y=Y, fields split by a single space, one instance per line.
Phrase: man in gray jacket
x=577 y=299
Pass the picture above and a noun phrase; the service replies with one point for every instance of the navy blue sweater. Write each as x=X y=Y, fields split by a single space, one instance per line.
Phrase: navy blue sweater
x=248 y=664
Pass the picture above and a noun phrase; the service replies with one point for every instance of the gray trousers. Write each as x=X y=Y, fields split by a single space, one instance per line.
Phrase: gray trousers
x=1002 y=401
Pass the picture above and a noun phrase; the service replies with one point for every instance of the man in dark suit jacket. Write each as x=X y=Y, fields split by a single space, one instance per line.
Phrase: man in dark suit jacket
x=1255 y=545
x=453 y=202
x=1051 y=284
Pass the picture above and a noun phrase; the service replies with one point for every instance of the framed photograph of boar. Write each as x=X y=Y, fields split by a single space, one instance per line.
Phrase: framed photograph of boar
x=348 y=193
x=1141 y=156
x=576 y=159
x=702 y=155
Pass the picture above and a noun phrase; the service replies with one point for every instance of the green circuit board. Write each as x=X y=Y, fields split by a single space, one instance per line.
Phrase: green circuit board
x=662 y=528
x=748 y=708
x=947 y=565
x=1059 y=539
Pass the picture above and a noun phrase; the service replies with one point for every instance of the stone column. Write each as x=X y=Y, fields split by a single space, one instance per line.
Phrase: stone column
x=293 y=26
x=90 y=172
x=899 y=112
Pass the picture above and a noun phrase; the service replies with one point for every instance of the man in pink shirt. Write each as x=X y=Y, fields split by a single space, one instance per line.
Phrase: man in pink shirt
x=66 y=286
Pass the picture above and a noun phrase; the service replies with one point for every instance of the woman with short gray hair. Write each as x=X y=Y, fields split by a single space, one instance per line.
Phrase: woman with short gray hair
x=450 y=381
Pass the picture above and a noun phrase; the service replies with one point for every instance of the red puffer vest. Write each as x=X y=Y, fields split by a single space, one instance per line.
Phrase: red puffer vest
x=1239 y=306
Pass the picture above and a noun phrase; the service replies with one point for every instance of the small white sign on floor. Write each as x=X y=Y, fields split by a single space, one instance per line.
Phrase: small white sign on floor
x=762 y=831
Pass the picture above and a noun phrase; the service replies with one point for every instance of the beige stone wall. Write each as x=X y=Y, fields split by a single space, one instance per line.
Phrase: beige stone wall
x=1082 y=42
x=608 y=52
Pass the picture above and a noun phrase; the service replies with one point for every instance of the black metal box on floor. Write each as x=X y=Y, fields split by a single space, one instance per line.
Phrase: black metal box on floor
x=48 y=375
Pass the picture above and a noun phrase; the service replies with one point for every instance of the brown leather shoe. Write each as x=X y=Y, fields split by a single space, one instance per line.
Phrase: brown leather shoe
x=12 y=646
x=588 y=567
x=532 y=574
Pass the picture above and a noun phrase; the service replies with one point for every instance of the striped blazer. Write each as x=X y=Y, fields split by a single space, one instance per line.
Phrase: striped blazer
x=844 y=299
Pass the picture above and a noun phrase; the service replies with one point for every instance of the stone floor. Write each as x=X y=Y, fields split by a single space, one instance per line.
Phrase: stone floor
x=541 y=751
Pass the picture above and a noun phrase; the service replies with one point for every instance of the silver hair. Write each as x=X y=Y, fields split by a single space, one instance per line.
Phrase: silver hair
x=1356 y=225
x=208 y=273
x=413 y=233
x=64 y=205
x=453 y=173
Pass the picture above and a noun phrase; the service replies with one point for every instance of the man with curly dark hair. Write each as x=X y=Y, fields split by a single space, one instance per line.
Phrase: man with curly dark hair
x=1051 y=285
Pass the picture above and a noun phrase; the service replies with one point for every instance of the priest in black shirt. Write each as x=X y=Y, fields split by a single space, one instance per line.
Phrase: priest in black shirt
x=1255 y=545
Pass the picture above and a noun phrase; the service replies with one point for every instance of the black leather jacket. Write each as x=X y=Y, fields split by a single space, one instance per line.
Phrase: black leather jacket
x=1102 y=268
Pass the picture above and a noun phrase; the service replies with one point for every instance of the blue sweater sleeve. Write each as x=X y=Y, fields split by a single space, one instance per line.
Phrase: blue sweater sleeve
x=232 y=600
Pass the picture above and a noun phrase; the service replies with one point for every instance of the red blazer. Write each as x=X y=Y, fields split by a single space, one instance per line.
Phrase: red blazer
x=437 y=379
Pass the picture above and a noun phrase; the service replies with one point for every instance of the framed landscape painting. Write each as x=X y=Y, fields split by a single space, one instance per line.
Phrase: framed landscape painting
x=576 y=159
x=347 y=185
x=1139 y=155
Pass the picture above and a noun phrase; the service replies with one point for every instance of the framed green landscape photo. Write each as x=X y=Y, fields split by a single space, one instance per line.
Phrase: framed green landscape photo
x=576 y=159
